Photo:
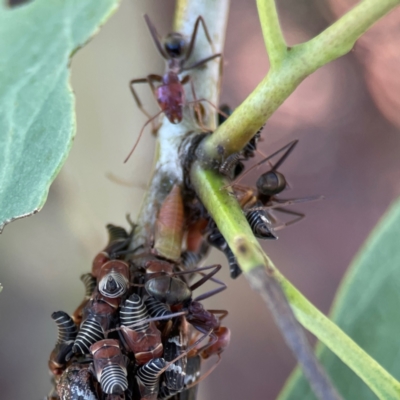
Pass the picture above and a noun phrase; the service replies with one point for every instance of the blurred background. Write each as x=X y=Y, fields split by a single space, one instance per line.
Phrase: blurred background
x=346 y=117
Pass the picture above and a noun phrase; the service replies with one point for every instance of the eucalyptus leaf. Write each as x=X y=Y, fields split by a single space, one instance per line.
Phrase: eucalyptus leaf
x=367 y=308
x=37 y=120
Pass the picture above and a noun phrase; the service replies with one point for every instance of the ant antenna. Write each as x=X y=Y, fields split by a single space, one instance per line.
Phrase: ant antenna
x=140 y=135
x=289 y=148
x=156 y=37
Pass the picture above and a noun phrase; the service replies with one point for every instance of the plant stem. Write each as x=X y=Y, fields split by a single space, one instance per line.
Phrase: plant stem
x=273 y=37
x=294 y=335
x=167 y=165
x=294 y=67
x=260 y=271
x=228 y=216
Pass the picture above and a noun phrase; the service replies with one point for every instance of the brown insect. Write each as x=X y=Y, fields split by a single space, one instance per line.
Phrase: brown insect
x=170 y=95
x=67 y=332
x=144 y=339
x=90 y=284
x=170 y=226
x=110 y=366
x=118 y=241
x=113 y=279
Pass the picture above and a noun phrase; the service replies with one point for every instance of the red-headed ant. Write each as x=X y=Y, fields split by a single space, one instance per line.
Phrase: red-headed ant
x=170 y=95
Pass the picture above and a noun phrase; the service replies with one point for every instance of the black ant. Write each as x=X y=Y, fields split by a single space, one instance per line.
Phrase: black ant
x=256 y=201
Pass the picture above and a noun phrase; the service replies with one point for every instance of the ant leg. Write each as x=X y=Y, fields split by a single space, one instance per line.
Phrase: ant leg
x=207 y=277
x=196 y=103
x=299 y=217
x=199 y=20
x=210 y=293
x=140 y=135
x=189 y=349
x=205 y=375
x=214 y=106
x=289 y=148
x=149 y=80
x=135 y=95
x=278 y=203
x=203 y=61
x=213 y=339
x=156 y=37
x=223 y=313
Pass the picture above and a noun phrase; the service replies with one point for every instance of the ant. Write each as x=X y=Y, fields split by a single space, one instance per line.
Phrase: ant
x=170 y=95
x=175 y=292
x=255 y=201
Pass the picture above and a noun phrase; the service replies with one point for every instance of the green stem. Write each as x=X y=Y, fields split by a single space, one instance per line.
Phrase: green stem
x=273 y=37
x=383 y=384
x=294 y=67
x=230 y=220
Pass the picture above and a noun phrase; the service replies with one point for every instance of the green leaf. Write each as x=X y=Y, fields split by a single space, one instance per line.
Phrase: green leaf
x=367 y=308
x=37 y=121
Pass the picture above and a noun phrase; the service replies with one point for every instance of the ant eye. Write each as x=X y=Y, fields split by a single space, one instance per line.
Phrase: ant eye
x=175 y=46
x=271 y=183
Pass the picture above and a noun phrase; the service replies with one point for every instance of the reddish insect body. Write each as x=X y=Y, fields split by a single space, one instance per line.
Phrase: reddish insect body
x=118 y=240
x=113 y=279
x=170 y=226
x=144 y=339
x=170 y=95
x=223 y=339
x=110 y=366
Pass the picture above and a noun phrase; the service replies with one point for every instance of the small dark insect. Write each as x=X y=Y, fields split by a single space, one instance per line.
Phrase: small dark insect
x=98 y=317
x=175 y=344
x=205 y=321
x=113 y=279
x=257 y=202
x=118 y=241
x=171 y=290
x=144 y=339
x=90 y=284
x=215 y=239
x=148 y=377
x=110 y=366
x=233 y=166
x=67 y=332
x=156 y=308
x=170 y=95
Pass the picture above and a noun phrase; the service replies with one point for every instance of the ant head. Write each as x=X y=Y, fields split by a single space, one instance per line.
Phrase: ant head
x=271 y=183
x=175 y=45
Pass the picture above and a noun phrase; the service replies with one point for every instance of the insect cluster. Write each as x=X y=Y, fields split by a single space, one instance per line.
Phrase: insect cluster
x=140 y=333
